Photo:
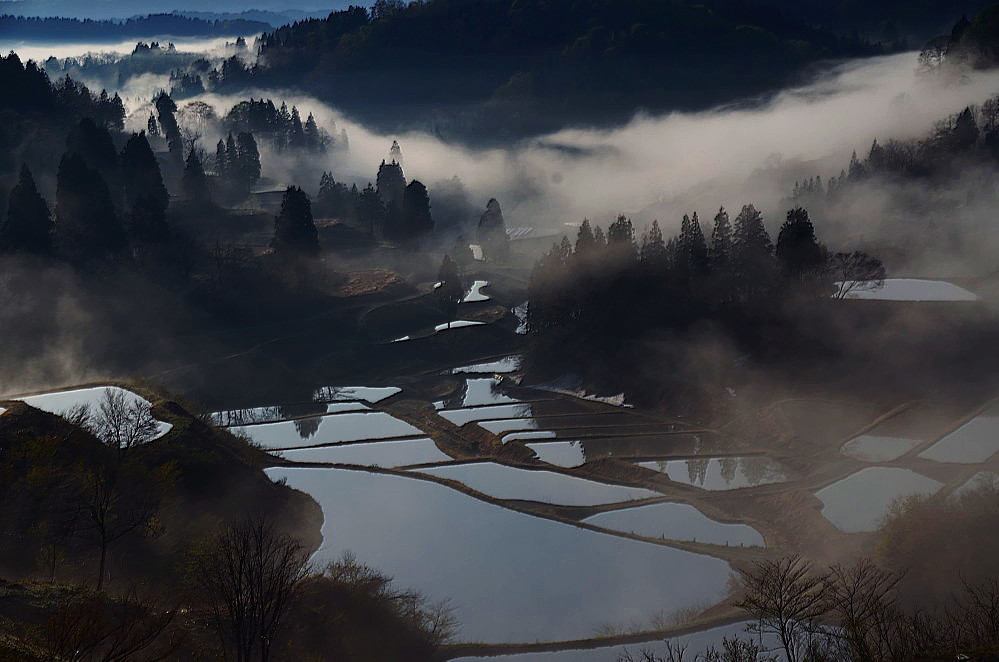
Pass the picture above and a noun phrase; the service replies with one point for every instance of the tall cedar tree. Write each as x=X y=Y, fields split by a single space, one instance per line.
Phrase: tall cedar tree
x=141 y=171
x=798 y=251
x=391 y=184
x=492 y=232
x=248 y=158
x=416 y=218
x=28 y=226
x=294 y=229
x=720 y=253
x=195 y=183
x=95 y=145
x=166 y=110
x=370 y=210
x=450 y=290
x=86 y=224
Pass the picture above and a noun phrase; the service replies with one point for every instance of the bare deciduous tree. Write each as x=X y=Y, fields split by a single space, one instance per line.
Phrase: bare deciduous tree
x=92 y=627
x=855 y=270
x=787 y=598
x=863 y=599
x=117 y=496
x=248 y=577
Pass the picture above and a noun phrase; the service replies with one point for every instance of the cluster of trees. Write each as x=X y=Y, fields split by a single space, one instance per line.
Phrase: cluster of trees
x=595 y=60
x=50 y=27
x=282 y=128
x=613 y=286
x=391 y=209
x=105 y=201
x=970 y=135
x=237 y=165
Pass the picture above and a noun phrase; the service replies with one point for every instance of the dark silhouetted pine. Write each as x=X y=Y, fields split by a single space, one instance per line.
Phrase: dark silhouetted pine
x=720 y=253
x=391 y=184
x=294 y=228
x=492 y=232
x=141 y=172
x=371 y=211
x=86 y=225
x=416 y=218
x=166 y=111
x=798 y=251
x=195 y=183
x=28 y=226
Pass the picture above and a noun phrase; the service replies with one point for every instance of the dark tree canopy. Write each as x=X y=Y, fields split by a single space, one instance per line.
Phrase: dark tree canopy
x=798 y=250
x=391 y=184
x=86 y=224
x=492 y=232
x=141 y=172
x=294 y=229
x=416 y=218
x=195 y=183
x=28 y=226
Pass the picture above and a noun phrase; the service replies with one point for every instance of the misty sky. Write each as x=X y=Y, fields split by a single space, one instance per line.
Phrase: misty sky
x=124 y=8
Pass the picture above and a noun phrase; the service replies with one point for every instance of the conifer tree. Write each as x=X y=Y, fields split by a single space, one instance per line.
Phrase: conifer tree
x=313 y=137
x=370 y=210
x=798 y=251
x=391 y=184
x=194 y=182
x=720 y=253
x=248 y=159
x=141 y=172
x=492 y=232
x=585 y=243
x=416 y=218
x=294 y=228
x=94 y=144
x=86 y=224
x=621 y=240
x=221 y=161
x=28 y=226
x=166 y=110
x=653 y=251
x=152 y=128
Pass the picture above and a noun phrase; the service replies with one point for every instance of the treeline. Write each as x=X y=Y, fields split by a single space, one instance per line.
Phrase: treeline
x=611 y=288
x=35 y=27
x=595 y=59
x=282 y=128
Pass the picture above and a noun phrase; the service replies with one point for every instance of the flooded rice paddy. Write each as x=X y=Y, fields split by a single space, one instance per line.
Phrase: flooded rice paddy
x=503 y=482
x=399 y=453
x=510 y=576
x=721 y=473
x=872 y=448
x=66 y=402
x=332 y=429
x=972 y=443
x=860 y=501
x=676 y=521
x=559 y=453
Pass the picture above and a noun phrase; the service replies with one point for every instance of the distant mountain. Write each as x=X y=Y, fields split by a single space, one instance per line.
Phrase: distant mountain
x=526 y=66
x=274 y=18
x=50 y=28
x=104 y=9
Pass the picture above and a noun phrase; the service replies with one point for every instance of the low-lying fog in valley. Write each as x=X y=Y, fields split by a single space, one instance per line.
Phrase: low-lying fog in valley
x=720 y=378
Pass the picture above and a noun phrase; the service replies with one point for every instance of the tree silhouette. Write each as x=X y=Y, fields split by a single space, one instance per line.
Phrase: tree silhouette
x=492 y=232
x=194 y=182
x=720 y=253
x=294 y=229
x=86 y=224
x=391 y=184
x=141 y=173
x=416 y=218
x=798 y=251
x=28 y=226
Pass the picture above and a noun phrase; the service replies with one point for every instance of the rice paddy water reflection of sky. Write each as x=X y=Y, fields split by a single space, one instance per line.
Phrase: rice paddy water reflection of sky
x=510 y=576
x=860 y=501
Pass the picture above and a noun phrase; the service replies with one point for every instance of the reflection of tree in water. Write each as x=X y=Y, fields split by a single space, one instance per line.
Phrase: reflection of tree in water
x=759 y=470
x=457 y=398
x=727 y=466
x=306 y=427
x=697 y=470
